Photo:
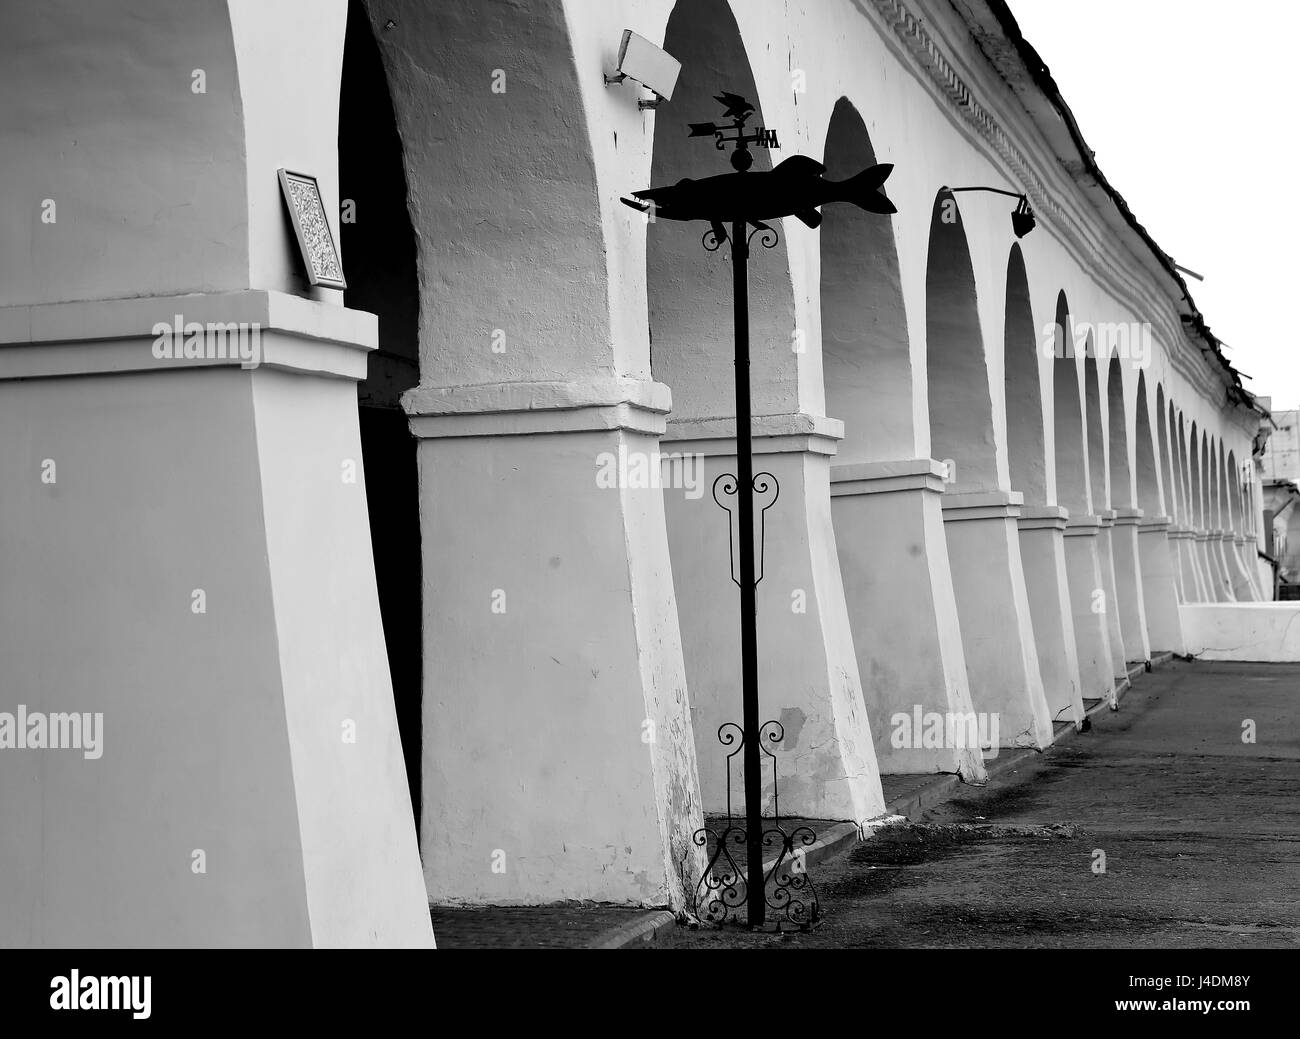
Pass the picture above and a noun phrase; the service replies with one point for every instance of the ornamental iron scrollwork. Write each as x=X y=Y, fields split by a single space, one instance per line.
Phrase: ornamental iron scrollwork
x=721 y=896
x=767 y=489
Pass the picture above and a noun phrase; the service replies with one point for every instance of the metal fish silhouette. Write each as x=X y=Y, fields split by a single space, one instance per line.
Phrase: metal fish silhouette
x=794 y=188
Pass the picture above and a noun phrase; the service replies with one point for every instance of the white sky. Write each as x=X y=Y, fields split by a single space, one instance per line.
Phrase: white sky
x=1191 y=108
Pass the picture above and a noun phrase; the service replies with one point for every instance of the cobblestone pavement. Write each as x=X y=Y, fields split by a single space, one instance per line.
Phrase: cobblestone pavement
x=573 y=926
x=1197 y=830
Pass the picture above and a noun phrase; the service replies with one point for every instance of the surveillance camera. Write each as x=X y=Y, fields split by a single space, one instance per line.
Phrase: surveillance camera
x=651 y=66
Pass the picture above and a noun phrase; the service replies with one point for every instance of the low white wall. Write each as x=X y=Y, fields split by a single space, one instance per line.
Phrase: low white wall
x=1261 y=631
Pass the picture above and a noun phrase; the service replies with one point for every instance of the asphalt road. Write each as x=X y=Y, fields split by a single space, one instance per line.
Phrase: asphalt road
x=1200 y=833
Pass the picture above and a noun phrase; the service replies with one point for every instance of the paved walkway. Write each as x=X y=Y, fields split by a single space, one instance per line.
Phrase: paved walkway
x=573 y=926
x=1200 y=834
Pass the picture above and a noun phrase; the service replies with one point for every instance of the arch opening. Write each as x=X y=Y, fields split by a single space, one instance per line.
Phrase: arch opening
x=689 y=291
x=865 y=358
x=1148 y=478
x=1234 y=494
x=960 y=405
x=1096 y=438
x=378 y=248
x=1067 y=418
x=1121 y=489
x=1026 y=442
x=1165 y=425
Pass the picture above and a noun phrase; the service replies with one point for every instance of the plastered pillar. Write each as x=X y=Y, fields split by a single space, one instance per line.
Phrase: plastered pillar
x=558 y=751
x=1042 y=553
x=993 y=606
x=1125 y=547
x=1218 y=547
x=1106 y=560
x=1242 y=547
x=1160 y=597
x=902 y=610
x=1091 y=631
x=186 y=551
x=1182 y=542
x=807 y=669
x=1211 y=578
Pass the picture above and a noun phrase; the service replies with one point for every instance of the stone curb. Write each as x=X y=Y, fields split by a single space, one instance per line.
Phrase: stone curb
x=842 y=836
x=642 y=928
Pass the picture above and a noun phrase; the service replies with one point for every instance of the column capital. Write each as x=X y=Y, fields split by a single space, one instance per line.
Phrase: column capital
x=789 y=433
x=907 y=474
x=1127 y=517
x=519 y=408
x=249 y=328
x=1043 y=517
x=1083 y=526
x=958 y=508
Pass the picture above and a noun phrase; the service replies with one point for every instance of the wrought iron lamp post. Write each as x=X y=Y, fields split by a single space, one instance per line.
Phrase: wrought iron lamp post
x=747 y=200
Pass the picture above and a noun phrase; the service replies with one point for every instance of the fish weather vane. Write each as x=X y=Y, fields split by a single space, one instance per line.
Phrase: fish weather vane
x=795 y=188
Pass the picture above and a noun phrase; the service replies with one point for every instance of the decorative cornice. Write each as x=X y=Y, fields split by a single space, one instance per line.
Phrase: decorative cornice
x=912 y=32
x=1181 y=352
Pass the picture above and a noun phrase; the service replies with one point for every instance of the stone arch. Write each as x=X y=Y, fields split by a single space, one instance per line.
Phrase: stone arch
x=689 y=291
x=1206 y=494
x=1148 y=476
x=1121 y=490
x=1165 y=426
x=1234 y=495
x=133 y=121
x=1072 y=490
x=1184 y=475
x=960 y=406
x=1225 y=494
x=1096 y=436
x=865 y=358
x=1194 y=481
x=1026 y=445
x=502 y=190
x=1212 y=486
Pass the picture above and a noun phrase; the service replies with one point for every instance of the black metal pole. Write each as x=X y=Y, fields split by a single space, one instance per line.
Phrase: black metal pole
x=748 y=597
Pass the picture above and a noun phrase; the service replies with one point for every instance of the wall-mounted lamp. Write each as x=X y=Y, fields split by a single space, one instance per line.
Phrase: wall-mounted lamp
x=653 y=67
x=1022 y=220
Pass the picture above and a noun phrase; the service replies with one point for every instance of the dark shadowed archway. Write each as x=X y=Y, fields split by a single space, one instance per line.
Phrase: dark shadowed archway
x=377 y=244
x=689 y=290
x=1148 y=477
x=1121 y=491
x=1215 y=520
x=1225 y=496
x=1095 y=430
x=1233 y=483
x=1026 y=446
x=865 y=361
x=1185 y=475
x=1206 y=476
x=961 y=408
x=1067 y=418
x=1194 y=480
x=1165 y=422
